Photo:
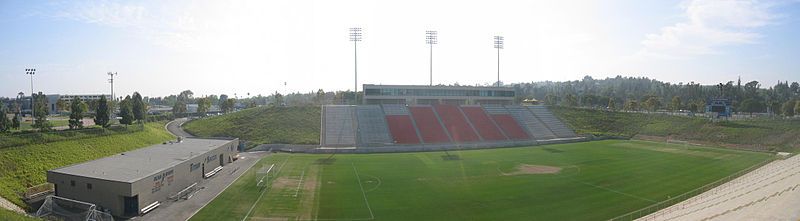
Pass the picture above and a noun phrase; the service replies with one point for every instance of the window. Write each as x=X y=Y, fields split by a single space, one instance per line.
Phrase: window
x=89 y=186
x=72 y=183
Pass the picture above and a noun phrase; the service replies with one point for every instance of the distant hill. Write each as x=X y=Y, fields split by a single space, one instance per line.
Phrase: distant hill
x=757 y=134
x=290 y=125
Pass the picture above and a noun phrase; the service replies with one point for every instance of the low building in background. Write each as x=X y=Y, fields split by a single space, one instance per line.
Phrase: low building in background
x=418 y=94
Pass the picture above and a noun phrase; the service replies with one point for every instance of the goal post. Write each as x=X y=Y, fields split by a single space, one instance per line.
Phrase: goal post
x=60 y=208
x=262 y=175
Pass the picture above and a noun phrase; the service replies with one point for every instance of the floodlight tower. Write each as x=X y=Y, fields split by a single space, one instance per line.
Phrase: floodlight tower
x=355 y=37
x=431 y=39
x=111 y=80
x=31 y=71
x=498 y=43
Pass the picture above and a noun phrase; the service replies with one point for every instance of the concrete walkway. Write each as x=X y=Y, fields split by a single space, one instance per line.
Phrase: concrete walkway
x=771 y=192
x=4 y=203
x=207 y=190
x=174 y=127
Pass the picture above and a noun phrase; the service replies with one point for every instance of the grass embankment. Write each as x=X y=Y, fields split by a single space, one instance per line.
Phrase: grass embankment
x=597 y=181
x=25 y=166
x=757 y=134
x=289 y=125
x=8 y=215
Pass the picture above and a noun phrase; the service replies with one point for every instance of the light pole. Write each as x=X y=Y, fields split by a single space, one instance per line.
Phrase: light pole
x=498 y=43
x=31 y=71
x=355 y=37
x=431 y=39
x=111 y=80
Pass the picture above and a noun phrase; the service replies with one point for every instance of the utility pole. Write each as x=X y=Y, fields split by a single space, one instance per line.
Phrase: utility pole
x=355 y=37
x=32 y=71
x=498 y=43
x=431 y=39
x=111 y=80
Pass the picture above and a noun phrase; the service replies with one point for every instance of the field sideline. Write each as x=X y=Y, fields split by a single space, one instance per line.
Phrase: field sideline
x=578 y=181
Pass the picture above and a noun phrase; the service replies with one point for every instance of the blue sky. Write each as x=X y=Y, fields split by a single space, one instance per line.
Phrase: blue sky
x=213 y=47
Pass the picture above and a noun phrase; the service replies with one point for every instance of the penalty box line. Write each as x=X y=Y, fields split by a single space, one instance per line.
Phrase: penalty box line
x=262 y=192
x=364 y=194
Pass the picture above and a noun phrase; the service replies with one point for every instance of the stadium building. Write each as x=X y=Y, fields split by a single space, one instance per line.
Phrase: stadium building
x=135 y=182
x=416 y=94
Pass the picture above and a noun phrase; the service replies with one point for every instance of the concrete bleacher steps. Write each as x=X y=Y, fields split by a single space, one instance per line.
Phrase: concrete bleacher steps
x=428 y=124
x=339 y=125
x=535 y=128
x=485 y=126
x=372 y=127
x=551 y=121
x=456 y=123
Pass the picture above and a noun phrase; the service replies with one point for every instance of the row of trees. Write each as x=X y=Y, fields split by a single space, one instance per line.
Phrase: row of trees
x=629 y=93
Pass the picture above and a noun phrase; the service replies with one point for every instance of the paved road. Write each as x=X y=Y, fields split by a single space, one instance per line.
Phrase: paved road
x=207 y=190
x=174 y=127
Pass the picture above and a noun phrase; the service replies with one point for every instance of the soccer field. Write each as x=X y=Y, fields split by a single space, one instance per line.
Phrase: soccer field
x=578 y=181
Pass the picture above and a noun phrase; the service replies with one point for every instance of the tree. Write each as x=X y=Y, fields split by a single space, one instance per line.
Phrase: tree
x=652 y=103
x=675 y=104
x=550 y=99
x=139 y=107
x=631 y=105
x=15 y=122
x=5 y=124
x=252 y=104
x=203 y=105
x=179 y=108
x=278 y=99
x=76 y=113
x=185 y=96
x=62 y=105
x=571 y=100
x=612 y=104
x=126 y=111
x=788 y=108
x=40 y=110
x=319 y=98
x=797 y=107
x=752 y=105
x=101 y=116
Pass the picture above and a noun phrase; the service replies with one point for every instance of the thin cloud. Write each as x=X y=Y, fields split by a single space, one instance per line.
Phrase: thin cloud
x=710 y=25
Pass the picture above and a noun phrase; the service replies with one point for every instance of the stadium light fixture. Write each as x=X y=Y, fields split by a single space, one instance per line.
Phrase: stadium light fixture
x=498 y=43
x=431 y=39
x=355 y=37
x=31 y=71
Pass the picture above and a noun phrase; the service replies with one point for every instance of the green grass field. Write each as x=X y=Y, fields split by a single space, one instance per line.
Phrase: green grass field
x=597 y=181
x=26 y=165
x=291 y=125
x=761 y=133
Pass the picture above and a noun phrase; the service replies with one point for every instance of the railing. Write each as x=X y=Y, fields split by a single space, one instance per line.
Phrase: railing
x=685 y=196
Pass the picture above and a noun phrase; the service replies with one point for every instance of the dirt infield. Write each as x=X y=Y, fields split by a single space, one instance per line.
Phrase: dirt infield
x=524 y=169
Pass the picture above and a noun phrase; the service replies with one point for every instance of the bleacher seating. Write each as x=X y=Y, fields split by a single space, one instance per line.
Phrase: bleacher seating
x=340 y=125
x=395 y=109
x=495 y=109
x=482 y=123
x=555 y=125
x=526 y=119
x=456 y=124
x=510 y=127
x=402 y=129
x=372 y=126
x=428 y=124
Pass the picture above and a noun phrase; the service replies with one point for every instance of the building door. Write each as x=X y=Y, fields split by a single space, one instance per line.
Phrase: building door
x=220 y=160
x=131 y=206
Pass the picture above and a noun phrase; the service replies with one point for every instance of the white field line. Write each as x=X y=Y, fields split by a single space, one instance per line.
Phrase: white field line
x=626 y=194
x=371 y=216
x=297 y=191
x=223 y=190
x=265 y=190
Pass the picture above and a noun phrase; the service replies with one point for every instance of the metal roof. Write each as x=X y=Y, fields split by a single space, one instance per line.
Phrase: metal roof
x=137 y=164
